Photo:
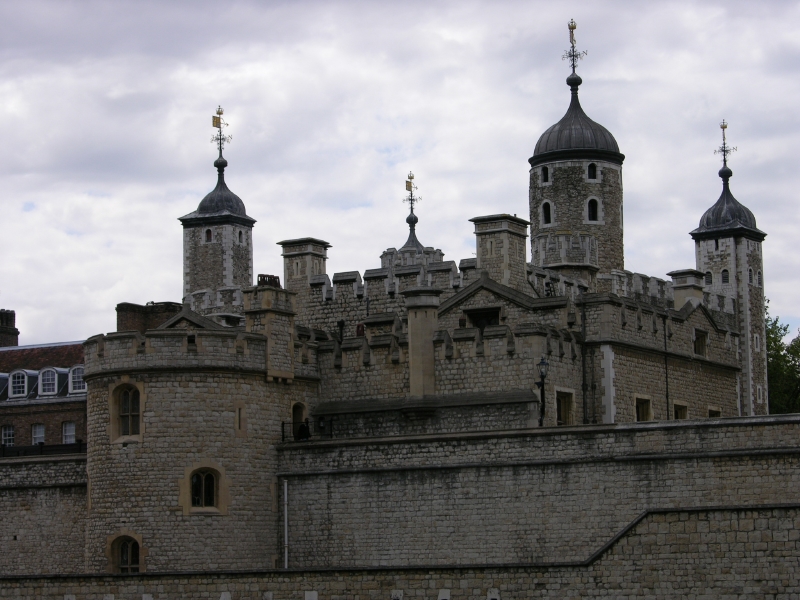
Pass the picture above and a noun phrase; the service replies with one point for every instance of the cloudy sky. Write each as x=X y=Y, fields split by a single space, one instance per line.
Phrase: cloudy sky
x=106 y=110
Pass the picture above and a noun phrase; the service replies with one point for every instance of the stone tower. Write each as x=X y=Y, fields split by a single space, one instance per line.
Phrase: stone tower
x=728 y=253
x=576 y=195
x=218 y=253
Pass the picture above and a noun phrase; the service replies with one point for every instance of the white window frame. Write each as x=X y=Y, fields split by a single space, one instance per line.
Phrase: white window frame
x=7 y=434
x=42 y=374
x=72 y=388
x=11 y=393
x=37 y=433
x=68 y=432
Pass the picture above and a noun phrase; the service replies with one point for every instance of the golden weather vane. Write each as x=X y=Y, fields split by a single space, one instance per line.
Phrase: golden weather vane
x=573 y=55
x=219 y=138
x=410 y=187
x=725 y=150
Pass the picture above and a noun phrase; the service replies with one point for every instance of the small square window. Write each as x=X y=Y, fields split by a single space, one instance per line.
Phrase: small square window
x=37 y=433
x=643 y=410
x=714 y=414
x=8 y=435
x=681 y=411
x=68 y=432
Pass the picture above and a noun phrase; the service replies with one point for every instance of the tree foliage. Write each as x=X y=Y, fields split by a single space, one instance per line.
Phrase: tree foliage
x=783 y=367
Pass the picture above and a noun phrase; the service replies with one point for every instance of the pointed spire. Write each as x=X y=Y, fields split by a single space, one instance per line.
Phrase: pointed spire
x=412 y=219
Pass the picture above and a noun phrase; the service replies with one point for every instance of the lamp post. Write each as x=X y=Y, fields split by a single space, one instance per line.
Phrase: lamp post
x=543 y=365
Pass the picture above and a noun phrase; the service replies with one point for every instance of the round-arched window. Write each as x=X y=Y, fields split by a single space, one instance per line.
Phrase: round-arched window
x=592 y=210
x=546 y=216
x=750 y=276
x=204 y=489
x=208 y=235
x=591 y=172
x=545 y=175
x=127 y=555
x=241 y=237
x=725 y=276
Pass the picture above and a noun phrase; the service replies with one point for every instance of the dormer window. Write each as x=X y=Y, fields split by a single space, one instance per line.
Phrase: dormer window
x=591 y=172
x=47 y=382
x=546 y=216
x=76 y=382
x=19 y=385
x=709 y=278
x=545 y=175
x=725 y=276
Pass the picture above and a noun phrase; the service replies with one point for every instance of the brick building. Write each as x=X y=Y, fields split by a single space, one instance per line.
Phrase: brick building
x=500 y=427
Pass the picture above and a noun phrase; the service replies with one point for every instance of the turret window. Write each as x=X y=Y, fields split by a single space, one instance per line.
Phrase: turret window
x=241 y=237
x=592 y=210
x=591 y=172
x=547 y=218
x=750 y=276
x=709 y=278
x=204 y=489
x=208 y=235
x=725 y=276
x=545 y=175
x=126 y=551
x=129 y=412
x=760 y=280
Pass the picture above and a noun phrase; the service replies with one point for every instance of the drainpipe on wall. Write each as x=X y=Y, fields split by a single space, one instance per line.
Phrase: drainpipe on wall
x=583 y=358
x=666 y=365
x=285 y=523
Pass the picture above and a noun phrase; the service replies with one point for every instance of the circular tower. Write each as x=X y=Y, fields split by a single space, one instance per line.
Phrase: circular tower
x=576 y=193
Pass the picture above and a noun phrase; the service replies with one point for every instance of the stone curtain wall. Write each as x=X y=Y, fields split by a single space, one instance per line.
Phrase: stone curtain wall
x=708 y=553
x=509 y=498
x=43 y=508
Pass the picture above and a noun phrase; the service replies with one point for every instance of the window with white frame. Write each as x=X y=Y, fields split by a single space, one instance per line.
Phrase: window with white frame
x=68 y=432
x=76 y=382
x=19 y=385
x=47 y=382
x=7 y=435
x=37 y=433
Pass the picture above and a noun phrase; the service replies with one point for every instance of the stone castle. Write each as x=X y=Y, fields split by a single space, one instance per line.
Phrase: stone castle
x=496 y=428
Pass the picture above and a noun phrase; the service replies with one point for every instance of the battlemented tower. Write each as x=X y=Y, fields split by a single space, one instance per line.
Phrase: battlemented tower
x=218 y=248
x=728 y=253
x=576 y=192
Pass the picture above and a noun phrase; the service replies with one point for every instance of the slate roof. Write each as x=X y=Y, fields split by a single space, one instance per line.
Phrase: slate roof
x=64 y=354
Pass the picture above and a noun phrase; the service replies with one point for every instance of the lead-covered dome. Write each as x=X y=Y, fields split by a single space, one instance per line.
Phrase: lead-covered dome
x=576 y=135
x=727 y=215
x=221 y=199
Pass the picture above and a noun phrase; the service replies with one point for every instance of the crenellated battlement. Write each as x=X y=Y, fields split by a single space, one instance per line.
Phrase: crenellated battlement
x=174 y=349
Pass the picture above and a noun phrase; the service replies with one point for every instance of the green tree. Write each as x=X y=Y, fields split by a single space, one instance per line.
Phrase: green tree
x=783 y=367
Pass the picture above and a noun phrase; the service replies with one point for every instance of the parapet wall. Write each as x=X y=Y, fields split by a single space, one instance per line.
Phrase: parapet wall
x=525 y=497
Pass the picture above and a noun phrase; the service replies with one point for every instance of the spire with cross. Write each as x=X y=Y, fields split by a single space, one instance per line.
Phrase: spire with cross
x=725 y=150
x=573 y=55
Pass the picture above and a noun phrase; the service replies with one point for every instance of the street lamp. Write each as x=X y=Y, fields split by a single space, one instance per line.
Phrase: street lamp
x=542 y=366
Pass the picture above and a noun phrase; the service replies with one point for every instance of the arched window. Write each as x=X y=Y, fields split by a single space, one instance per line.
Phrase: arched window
x=241 y=237
x=546 y=218
x=760 y=280
x=129 y=412
x=47 y=382
x=76 y=382
x=750 y=276
x=709 y=279
x=127 y=555
x=204 y=489
x=592 y=212
x=545 y=175
x=725 y=276
x=19 y=384
x=208 y=235
x=592 y=171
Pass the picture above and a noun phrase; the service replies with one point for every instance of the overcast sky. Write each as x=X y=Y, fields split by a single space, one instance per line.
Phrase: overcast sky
x=106 y=110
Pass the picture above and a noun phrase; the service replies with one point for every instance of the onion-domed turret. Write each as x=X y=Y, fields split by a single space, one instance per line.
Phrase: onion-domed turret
x=221 y=200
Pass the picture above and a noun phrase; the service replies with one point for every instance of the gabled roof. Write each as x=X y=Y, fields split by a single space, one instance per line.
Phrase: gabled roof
x=193 y=318
x=502 y=291
x=64 y=354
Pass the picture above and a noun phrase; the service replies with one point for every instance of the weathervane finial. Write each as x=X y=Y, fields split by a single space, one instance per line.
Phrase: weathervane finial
x=573 y=55
x=411 y=219
x=219 y=138
x=725 y=150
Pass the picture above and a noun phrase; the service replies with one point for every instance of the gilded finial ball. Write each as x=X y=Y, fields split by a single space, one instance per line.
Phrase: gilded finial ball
x=410 y=176
x=220 y=111
x=572 y=25
x=723 y=125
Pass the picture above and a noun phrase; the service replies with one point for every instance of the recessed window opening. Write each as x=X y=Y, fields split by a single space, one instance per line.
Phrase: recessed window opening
x=564 y=408
x=716 y=244
x=758 y=342
x=714 y=414
x=68 y=432
x=128 y=556
x=241 y=237
x=709 y=278
x=298 y=421
x=700 y=342
x=48 y=382
x=18 y=384
x=483 y=318
x=760 y=280
x=204 y=489
x=725 y=276
x=7 y=435
x=76 y=382
x=592 y=210
x=546 y=217
x=592 y=171
x=37 y=433
x=681 y=412
x=129 y=412
x=545 y=175
x=643 y=409
x=208 y=235
x=750 y=276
